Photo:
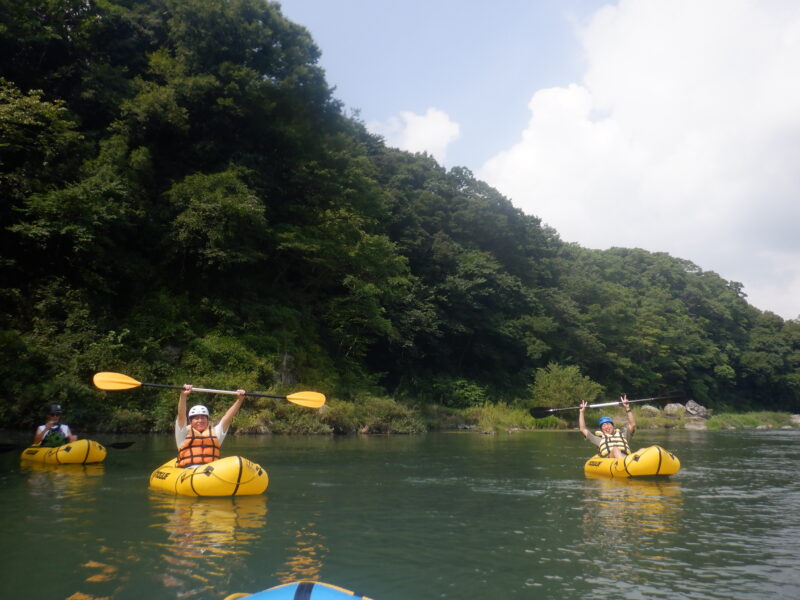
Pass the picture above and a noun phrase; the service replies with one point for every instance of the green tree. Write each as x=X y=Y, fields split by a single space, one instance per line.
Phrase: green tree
x=561 y=386
x=179 y=184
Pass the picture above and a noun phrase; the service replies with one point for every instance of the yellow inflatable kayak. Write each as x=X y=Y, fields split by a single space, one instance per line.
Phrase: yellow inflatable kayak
x=647 y=462
x=81 y=452
x=308 y=590
x=229 y=476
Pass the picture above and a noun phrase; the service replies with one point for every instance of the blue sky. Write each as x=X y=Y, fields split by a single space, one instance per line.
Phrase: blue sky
x=464 y=57
x=668 y=125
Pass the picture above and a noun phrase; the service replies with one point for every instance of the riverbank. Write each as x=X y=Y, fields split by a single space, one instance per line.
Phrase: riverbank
x=500 y=418
x=379 y=415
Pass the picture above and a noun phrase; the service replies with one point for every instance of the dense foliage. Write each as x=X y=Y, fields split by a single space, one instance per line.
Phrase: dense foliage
x=183 y=199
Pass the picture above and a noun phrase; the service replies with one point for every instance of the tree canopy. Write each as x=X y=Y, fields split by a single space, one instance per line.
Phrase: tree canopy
x=184 y=198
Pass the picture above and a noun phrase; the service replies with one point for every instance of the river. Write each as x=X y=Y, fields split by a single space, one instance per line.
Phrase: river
x=442 y=515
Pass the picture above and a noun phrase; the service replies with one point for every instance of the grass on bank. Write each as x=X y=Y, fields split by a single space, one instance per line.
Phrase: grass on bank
x=366 y=415
x=489 y=418
x=380 y=415
x=750 y=420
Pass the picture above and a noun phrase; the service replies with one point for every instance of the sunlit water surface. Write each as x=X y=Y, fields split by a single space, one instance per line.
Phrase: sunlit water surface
x=448 y=515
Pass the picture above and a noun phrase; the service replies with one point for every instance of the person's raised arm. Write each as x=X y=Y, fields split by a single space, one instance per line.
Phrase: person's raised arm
x=582 y=420
x=181 y=417
x=225 y=422
x=628 y=412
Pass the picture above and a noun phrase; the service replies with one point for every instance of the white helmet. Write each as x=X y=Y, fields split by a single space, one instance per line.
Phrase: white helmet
x=198 y=410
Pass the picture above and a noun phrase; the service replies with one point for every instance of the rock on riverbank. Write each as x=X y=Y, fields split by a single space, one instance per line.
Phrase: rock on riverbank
x=694 y=415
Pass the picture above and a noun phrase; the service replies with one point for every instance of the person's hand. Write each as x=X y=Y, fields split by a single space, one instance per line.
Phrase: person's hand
x=240 y=394
x=623 y=399
x=187 y=389
x=583 y=405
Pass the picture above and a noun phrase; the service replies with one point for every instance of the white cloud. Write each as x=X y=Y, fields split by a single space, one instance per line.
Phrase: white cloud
x=683 y=137
x=431 y=132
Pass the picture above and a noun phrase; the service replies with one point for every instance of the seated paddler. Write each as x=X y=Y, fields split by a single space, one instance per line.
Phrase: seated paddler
x=53 y=433
x=610 y=441
x=198 y=442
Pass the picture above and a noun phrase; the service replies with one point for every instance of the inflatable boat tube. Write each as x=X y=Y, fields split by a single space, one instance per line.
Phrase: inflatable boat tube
x=301 y=590
x=647 y=462
x=81 y=452
x=229 y=476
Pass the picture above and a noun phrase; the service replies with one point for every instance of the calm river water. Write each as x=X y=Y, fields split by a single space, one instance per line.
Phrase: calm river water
x=446 y=515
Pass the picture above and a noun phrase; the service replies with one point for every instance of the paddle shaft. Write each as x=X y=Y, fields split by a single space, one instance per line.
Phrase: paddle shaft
x=602 y=404
x=210 y=391
x=545 y=411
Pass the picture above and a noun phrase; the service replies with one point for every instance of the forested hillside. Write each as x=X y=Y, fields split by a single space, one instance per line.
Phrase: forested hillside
x=184 y=200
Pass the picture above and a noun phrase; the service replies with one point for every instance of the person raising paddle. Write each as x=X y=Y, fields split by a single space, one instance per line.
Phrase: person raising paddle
x=610 y=441
x=199 y=443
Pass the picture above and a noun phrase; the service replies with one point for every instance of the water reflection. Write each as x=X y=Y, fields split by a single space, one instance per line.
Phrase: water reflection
x=53 y=482
x=193 y=548
x=205 y=538
x=209 y=526
x=627 y=517
x=306 y=556
x=445 y=516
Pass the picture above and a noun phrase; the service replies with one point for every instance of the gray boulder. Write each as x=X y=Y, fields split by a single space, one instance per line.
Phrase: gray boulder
x=674 y=410
x=694 y=409
x=649 y=411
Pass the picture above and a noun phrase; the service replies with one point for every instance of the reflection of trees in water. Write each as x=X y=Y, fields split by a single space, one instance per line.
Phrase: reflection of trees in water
x=306 y=557
x=627 y=517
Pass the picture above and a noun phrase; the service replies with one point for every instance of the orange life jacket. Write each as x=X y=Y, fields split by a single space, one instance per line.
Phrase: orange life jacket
x=198 y=448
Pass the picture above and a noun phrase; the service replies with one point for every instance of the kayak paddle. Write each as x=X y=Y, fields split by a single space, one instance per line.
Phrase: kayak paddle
x=117 y=381
x=540 y=412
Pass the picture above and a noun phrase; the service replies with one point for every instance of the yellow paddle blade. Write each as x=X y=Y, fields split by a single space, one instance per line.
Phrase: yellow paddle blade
x=309 y=399
x=114 y=381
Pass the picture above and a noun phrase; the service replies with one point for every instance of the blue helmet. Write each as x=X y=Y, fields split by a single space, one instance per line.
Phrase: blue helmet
x=605 y=420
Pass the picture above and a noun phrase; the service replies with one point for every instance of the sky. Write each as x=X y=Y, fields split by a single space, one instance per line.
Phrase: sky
x=667 y=125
